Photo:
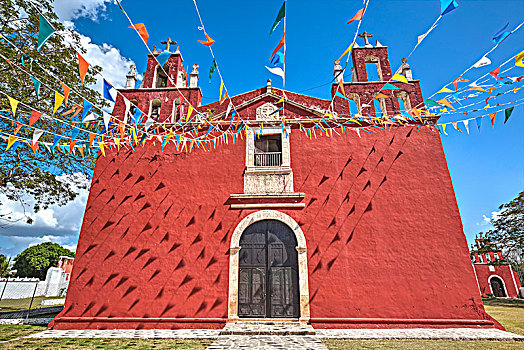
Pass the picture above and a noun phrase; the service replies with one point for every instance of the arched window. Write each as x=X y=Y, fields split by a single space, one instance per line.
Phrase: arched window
x=176 y=110
x=155 y=108
x=133 y=105
x=373 y=71
x=497 y=287
x=161 y=77
x=403 y=101
x=181 y=79
x=354 y=103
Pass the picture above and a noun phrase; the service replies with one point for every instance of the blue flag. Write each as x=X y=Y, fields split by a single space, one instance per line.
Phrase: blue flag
x=163 y=57
x=87 y=107
x=479 y=122
x=55 y=141
x=107 y=89
x=446 y=6
x=37 y=86
x=74 y=133
x=501 y=34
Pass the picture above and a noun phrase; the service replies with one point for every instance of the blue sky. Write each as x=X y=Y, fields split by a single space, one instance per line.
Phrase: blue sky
x=487 y=169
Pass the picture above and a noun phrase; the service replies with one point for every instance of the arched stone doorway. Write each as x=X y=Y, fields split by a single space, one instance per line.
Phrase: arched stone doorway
x=497 y=287
x=262 y=260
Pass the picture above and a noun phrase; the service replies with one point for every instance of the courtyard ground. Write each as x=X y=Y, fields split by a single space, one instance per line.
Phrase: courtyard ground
x=508 y=312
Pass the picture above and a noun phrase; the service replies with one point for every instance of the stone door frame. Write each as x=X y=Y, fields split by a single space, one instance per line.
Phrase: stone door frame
x=234 y=249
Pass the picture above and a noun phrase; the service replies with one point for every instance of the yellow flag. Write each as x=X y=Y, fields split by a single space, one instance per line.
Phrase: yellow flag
x=189 y=111
x=444 y=129
x=445 y=89
x=446 y=103
x=345 y=52
x=516 y=89
x=221 y=88
x=58 y=101
x=280 y=101
x=399 y=77
x=14 y=104
x=117 y=142
x=101 y=145
x=12 y=139
x=519 y=59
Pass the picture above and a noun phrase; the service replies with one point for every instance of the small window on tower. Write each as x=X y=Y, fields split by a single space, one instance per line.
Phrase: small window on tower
x=268 y=150
x=353 y=109
x=134 y=104
x=155 y=108
x=161 y=77
x=378 y=108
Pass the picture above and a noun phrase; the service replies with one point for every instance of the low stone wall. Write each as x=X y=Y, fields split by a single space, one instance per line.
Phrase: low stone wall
x=20 y=288
x=31 y=321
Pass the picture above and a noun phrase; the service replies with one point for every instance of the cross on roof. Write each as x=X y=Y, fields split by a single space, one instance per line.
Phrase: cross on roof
x=168 y=43
x=365 y=35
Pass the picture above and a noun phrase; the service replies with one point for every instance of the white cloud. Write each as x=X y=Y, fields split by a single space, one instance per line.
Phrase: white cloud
x=71 y=9
x=486 y=220
x=55 y=224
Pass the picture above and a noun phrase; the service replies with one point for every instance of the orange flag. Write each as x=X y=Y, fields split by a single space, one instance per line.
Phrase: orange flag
x=66 y=91
x=82 y=68
x=141 y=28
x=280 y=44
x=208 y=42
x=492 y=117
x=381 y=95
x=358 y=15
x=223 y=98
x=34 y=117
x=18 y=126
x=91 y=138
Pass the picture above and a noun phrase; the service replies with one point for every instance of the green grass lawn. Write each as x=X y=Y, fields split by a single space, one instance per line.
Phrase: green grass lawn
x=509 y=313
x=7 y=305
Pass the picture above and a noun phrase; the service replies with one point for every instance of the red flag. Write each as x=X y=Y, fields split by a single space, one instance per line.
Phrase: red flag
x=141 y=28
x=208 y=42
x=18 y=126
x=358 y=15
x=280 y=44
x=495 y=74
x=492 y=117
x=82 y=68
x=34 y=117
x=458 y=80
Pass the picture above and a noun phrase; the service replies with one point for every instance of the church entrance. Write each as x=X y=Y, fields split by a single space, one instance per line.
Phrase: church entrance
x=497 y=287
x=268 y=285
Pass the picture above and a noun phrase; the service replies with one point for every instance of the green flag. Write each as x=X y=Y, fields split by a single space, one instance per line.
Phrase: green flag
x=507 y=113
x=281 y=14
x=212 y=69
x=44 y=32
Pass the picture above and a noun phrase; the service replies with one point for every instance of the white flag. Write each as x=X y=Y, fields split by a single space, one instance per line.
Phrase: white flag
x=484 y=61
x=466 y=122
x=277 y=71
x=89 y=118
x=229 y=106
x=148 y=122
x=37 y=134
x=106 y=116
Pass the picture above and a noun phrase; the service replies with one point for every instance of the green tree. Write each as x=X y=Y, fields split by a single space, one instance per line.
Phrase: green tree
x=4 y=265
x=21 y=171
x=36 y=260
x=508 y=232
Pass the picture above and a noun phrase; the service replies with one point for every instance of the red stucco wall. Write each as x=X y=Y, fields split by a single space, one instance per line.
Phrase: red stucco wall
x=511 y=284
x=384 y=237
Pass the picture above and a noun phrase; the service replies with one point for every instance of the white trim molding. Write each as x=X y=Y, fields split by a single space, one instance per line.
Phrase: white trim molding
x=302 y=261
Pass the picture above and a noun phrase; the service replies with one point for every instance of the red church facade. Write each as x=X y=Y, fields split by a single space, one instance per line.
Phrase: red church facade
x=495 y=277
x=340 y=231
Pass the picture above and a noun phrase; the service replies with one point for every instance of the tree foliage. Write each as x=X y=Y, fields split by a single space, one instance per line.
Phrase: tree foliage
x=21 y=171
x=36 y=260
x=508 y=231
x=4 y=265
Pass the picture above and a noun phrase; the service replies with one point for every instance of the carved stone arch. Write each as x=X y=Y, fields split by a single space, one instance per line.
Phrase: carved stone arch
x=234 y=260
x=404 y=96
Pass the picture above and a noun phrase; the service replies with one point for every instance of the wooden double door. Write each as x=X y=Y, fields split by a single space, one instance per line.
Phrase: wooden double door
x=268 y=272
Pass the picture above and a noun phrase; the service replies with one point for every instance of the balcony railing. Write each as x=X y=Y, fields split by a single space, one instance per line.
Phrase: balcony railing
x=268 y=159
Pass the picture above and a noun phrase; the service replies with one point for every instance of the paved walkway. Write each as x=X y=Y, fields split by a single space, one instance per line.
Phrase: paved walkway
x=287 y=342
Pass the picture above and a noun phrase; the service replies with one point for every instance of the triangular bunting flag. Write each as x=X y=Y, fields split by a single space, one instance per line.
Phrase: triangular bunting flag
x=519 y=59
x=444 y=89
x=281 y=14
x=466 y=125
x=492 y=117
x=446 y=6
x=36 y=83
x=208 y=42
x=86 y=108
x=44 y=31
x=18 y=127
x=66 y=90
x=107 y=91
x=389 y=86
x=82 y=68
x=163 y=57
x=507 y=113
x=37 y=133
x=212 y=69
x=10 y=141
x=14 y=104
x=58 y=101
x=277 y=71
x=280 y=44
x=484 y=61
x=141 y=29
x=399 y=77
x=357 y=16
x=479 y=122
x=106 y=117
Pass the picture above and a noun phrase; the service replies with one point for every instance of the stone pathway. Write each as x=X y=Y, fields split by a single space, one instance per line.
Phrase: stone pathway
x=302 y=337
x=265 y=342
x=419 y=333
x=131 y=333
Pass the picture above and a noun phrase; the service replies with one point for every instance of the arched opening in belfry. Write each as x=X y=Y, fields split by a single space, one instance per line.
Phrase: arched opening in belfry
x=161 y=76
x=373 y=70
x=155 y=108
x=268 y=281
x=403 y=101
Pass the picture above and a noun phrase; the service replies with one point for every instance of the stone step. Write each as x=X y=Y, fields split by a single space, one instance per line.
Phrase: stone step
x=267 y=328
